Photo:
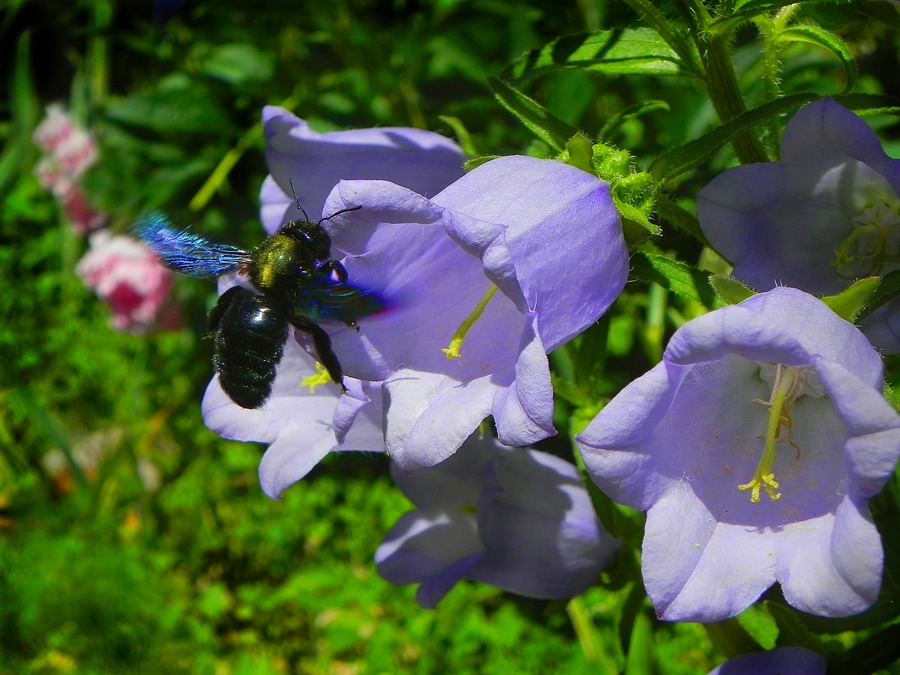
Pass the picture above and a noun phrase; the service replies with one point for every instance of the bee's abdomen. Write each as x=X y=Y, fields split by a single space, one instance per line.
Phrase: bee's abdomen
x=250 y=332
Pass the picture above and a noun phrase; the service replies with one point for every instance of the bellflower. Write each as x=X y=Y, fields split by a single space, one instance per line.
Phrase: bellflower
x=503 y=266
x=296 y=422
x=826 y=214
x=514 y=518
x=782 y=660
x=422 y=161
x=754 y=447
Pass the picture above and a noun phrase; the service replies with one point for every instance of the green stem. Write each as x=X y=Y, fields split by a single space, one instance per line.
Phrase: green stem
x=723 y=90
x=770 y=29
x=98 y=52
x=721 y=81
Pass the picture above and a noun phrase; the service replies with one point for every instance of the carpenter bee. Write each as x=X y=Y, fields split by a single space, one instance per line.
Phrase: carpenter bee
x=297 y=285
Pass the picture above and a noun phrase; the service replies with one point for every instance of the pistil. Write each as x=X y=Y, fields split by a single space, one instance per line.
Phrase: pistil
x=452 y=350
x=787 y=387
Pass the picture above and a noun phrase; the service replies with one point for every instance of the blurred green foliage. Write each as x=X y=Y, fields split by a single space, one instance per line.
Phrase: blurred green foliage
x=145 y=545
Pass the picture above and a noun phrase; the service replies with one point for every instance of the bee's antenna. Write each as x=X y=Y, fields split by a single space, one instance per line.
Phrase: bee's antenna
x=297 y=199
x=337 y=213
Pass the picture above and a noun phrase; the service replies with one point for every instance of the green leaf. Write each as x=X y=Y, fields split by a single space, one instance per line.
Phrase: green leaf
x=676 y=276
x=171 y=110
x=630 y=51
x=25 y=111
x=580 y=153
x=540 y=121
x=850 y=302
x=670 y=212
x=690 y=155
x=463 y=137
x=760 y=625
x=640 y=657
x=730 y=290
x=238 y=63
x=887 y=290
x=870 y=104
x=816 y=35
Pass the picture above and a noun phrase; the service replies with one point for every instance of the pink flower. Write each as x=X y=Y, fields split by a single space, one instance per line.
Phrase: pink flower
x=53 y=129
x=76 y=152
x=130 y=279
x=83 y=216
x=70 y=147
x=71 y=151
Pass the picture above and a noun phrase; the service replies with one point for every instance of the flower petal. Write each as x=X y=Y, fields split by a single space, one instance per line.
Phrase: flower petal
x=423 y=161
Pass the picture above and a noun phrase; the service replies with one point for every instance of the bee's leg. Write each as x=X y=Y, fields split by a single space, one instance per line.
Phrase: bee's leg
x=322 y=343
x=336 y=267
x=225 y=301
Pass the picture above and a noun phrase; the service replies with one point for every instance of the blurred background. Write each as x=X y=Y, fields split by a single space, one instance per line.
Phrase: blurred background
x=133 y=539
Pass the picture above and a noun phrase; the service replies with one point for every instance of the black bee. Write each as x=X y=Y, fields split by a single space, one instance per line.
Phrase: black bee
x=298 y=285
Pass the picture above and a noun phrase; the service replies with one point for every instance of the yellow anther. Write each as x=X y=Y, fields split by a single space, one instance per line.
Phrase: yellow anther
x=452 y=350
x=317 y=379
x=787 y=387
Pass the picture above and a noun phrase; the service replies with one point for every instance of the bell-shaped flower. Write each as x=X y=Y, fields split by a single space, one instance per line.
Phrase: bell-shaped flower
x=824 y=215
x=754 y=447
x=782 y=660
x=296 y=421
x=482 y=281
x=514 y=518
x=423 y=161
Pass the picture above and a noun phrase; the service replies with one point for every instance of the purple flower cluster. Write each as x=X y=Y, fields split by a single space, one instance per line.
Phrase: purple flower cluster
x=483 y=275
x=754 y=446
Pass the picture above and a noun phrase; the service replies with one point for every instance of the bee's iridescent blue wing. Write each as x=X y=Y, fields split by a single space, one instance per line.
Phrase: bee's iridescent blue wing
x=330 y=300
x=186 y=252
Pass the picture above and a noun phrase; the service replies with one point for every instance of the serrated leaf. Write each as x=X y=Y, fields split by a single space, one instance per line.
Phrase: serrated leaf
x=631 y=51
x=730 y=290
x=540 y=121
x=887 y=290
x=816 y=35
x=870 y=104
x=635 y=215
x=676 y=276
x=690 y=155
x=850 y=302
